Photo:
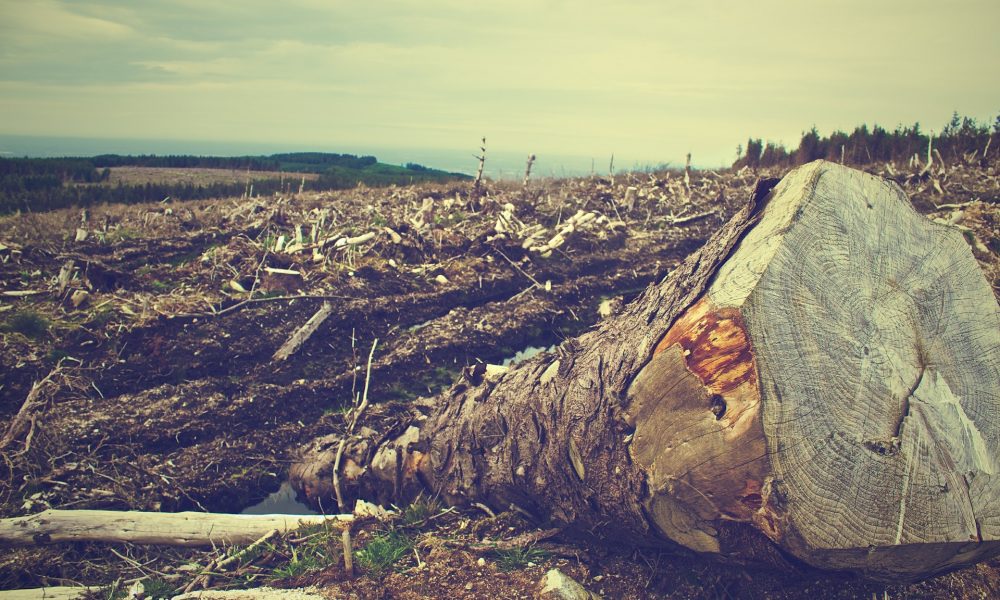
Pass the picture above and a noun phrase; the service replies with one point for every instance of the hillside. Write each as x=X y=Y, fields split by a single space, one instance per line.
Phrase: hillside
x=157 y=323
x=41 y=184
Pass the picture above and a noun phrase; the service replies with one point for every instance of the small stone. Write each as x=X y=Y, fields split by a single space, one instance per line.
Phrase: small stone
x=367 y=509
x=78 y=297
x=556 y=585
x=481 y=562
x=468 y=587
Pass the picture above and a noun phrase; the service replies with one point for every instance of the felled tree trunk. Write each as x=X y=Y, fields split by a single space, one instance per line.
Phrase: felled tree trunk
x=170 y=529
x=822 y=377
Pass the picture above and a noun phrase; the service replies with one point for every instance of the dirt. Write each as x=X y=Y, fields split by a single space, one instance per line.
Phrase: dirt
x=198 y=176
x=166 y=396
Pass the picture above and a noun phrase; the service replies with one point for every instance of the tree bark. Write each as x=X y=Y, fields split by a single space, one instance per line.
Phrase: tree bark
x=819 y=381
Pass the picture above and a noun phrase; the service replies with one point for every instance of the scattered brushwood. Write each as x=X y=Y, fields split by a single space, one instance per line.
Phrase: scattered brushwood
x=178 y=404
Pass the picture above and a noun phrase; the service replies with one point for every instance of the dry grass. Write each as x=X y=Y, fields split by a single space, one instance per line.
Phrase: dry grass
x=197 y=176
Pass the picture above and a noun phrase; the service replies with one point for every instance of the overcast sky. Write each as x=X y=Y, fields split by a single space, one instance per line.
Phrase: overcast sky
x=648 y=80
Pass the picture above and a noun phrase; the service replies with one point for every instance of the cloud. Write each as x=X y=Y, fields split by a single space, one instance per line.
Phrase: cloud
x=42 y=21
x=655 y=77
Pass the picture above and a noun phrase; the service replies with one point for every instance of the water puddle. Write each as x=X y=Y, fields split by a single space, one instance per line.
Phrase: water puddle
x=281 y=502
x=523 y=355
x=419 y=326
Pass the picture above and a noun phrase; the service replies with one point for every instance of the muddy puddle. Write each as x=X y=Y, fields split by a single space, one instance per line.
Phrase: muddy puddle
x=281 y=502
x=526 y=353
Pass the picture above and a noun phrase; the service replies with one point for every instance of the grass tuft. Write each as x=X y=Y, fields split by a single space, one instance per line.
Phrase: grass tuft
x=28 y=323
x=514 y=558
x=419 y=511
x=383 y=551
x=319 y=548
x=158 y=589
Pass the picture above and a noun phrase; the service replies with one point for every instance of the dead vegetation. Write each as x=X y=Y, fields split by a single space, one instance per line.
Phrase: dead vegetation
x=180 y=354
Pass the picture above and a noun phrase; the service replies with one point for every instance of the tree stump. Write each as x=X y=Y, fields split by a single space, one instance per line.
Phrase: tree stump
x=822 y=377
x=836 y=385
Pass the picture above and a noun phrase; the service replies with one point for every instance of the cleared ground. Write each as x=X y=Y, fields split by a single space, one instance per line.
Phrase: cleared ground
x=166 y=318
x=197 y=176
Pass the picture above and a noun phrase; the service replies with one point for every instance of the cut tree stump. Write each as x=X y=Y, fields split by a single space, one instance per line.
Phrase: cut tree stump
x=821 y=378
x=849 y=354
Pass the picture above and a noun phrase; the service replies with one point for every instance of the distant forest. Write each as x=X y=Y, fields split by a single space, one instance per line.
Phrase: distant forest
x=39 y=184
x=959 y=137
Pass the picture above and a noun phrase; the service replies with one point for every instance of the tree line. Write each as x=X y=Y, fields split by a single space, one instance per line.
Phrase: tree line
x=959 y=137
x=39 y=184
x=298 y=162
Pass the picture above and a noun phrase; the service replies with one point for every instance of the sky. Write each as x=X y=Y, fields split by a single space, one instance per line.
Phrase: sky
x=645 y=80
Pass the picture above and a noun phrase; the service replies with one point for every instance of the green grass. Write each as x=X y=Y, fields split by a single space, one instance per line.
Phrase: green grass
x=161 y=286
x=431 y=381
x=301 y=563
x=103 y=316
x=157 y=589
x=121 y=234
x=383 y=551
x=419 y=511
x=55 y=355
x=28 y=323
x=320 y=549
x=515 y=558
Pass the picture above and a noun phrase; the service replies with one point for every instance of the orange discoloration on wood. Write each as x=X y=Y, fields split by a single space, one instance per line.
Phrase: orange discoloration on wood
x=412 y=464
x=696 y=408
x=716 y=346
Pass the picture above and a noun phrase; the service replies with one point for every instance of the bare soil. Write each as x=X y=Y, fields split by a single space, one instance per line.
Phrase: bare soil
x=198 y=176
x=166 y=397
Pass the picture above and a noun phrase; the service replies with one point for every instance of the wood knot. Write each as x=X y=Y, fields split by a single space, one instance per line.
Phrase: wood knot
x=883 y=447
x=717 y=404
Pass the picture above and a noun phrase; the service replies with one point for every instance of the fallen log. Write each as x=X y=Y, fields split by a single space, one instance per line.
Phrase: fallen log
x=169 y=529
x=821 y=380
x=59 y=592
x=302 y=334
x=263 y=593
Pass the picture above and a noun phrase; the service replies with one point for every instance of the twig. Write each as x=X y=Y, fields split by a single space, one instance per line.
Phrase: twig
x=303 y=333
x=682 y=220
x=345 y=535
x=356 y=413
x=25 y=416
x=235 y=558
x=527 y=169
x=479 y=173
x=345 y=538
x=249 y=301
x=256 y=275
x=520 y=270
x=144 y=569
x=521 y=541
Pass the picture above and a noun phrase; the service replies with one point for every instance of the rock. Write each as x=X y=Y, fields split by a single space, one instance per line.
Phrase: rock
x=78 y=297
x=367 y=509
x=556 y=585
